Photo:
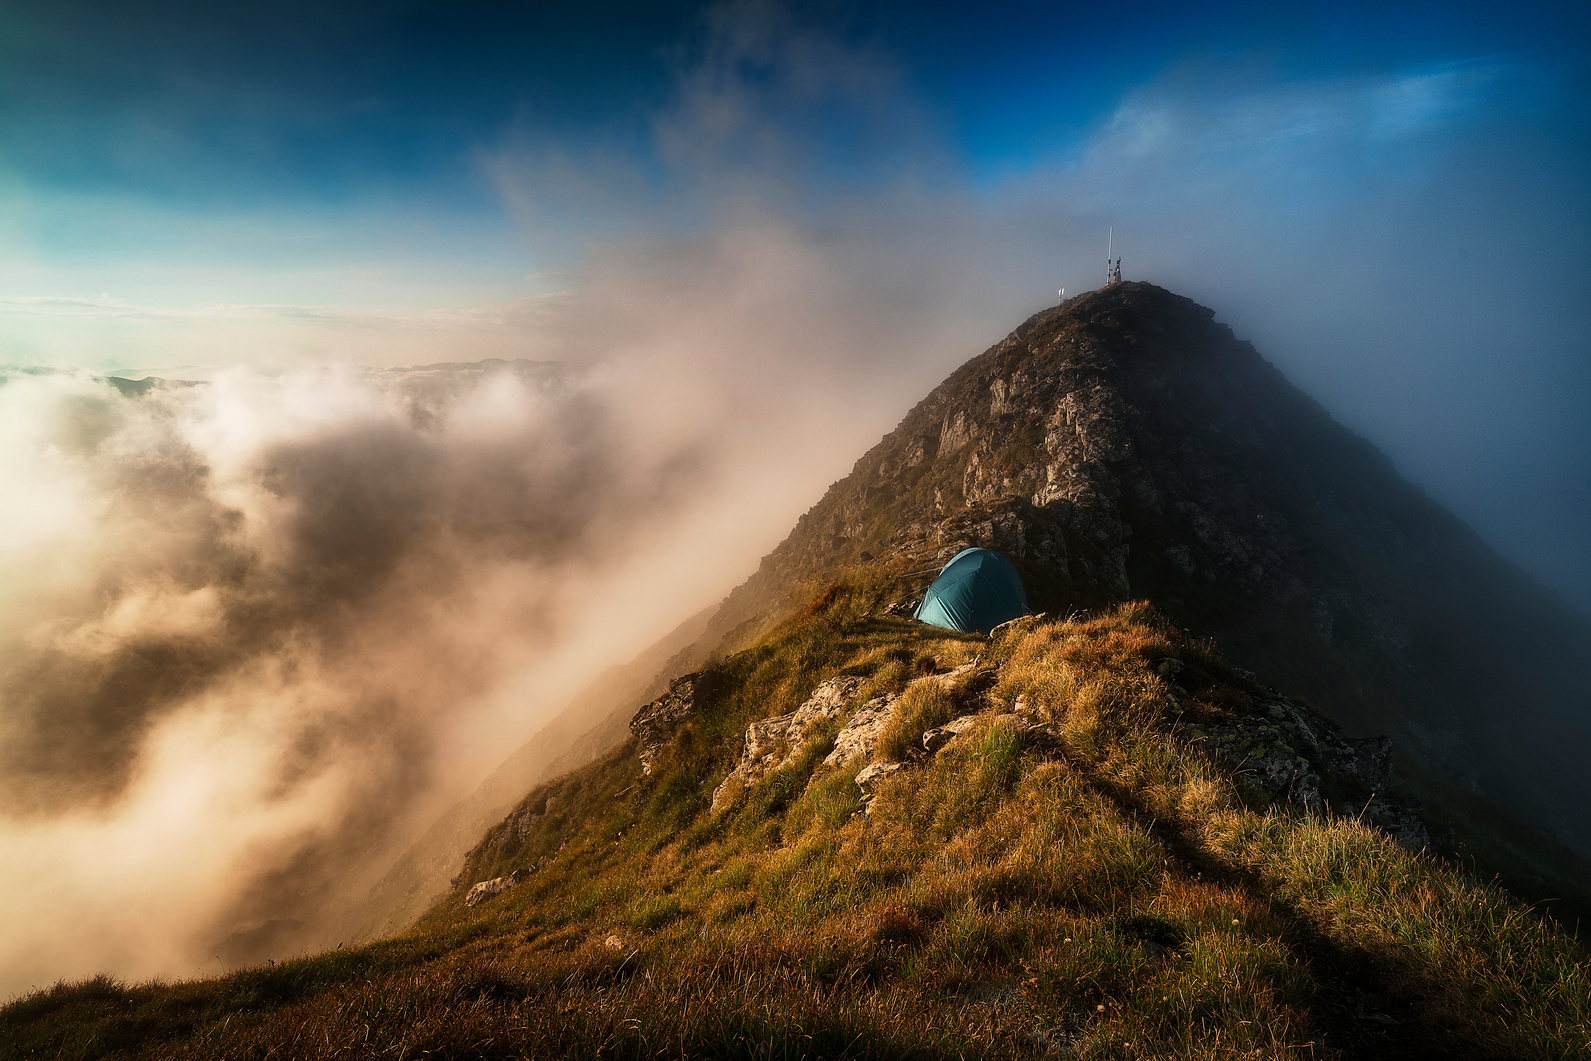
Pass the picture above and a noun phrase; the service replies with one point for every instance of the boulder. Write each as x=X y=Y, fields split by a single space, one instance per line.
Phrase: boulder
x=1168 y=668
x=937 y=738
x=873 y=773
x=860 y=736
x=768 y=742
x=1020 y=622
x=1398 y=816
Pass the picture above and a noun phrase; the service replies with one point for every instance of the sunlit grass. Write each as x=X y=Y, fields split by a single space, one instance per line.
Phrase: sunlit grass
x=1110 y=897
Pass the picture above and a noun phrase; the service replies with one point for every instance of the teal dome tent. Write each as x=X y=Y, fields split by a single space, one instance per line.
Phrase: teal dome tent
x=977 y=591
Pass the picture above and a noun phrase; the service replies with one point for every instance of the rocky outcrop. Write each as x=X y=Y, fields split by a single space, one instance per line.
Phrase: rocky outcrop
x=855 y=743
x=1289 y=756
x=859 y=739
x=769 y=741
x=1035 y=735
x=1281 y=754
x=870 y=775
x=656 y=723
x=496 y=886
x=940 y=736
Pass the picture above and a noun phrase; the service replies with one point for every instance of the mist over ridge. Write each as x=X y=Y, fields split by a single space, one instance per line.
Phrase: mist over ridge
x=256 y=633
x=279 y=620
x=250 y=625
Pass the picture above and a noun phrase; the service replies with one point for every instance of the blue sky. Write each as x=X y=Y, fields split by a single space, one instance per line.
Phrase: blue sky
x=1389 y=198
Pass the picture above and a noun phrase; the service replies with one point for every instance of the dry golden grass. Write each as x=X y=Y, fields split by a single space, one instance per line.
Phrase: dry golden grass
x=1111 y=898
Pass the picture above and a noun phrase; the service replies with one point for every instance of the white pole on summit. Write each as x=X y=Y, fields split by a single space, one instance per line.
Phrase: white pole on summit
x=1110 y=245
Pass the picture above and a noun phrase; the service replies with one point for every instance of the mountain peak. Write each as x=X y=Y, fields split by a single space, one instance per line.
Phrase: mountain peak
x=1125 y=445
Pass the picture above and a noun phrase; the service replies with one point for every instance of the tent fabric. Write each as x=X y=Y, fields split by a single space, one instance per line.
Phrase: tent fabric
x=977 y=591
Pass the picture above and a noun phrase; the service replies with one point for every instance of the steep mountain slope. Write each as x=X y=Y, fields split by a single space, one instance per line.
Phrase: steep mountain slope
x=595 y=722
x=1125 y=445
x=867 y=838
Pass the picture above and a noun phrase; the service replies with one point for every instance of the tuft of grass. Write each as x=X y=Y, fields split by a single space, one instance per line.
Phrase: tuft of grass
x=925 y=704
x=651 y=912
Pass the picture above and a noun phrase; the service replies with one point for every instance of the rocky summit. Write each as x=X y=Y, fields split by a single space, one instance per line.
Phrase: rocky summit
x=1126 y=445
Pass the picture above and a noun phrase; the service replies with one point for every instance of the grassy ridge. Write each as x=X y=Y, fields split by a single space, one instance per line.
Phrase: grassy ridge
x=1110 y=897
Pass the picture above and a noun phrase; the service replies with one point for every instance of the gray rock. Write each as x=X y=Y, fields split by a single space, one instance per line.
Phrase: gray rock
x=497 y=885
x=937 y=738
x=859 y=738
x=1371 y=761
x=1283 y=753
x=1037 y=736
x=1020 y=622
x=873 y=773
x=1168 y=668
x=656 y=723
x=769 y=741
x=1398 y=816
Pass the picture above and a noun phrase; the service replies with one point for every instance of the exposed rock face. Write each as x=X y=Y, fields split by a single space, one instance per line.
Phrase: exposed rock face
x=1036 y=734
x=496 y=886
x=522 y=819
x=857 y=740
x=1288 y=755
x=770 y=740
x=1281 y=753
x=937 y=738
x=1125 y=445
x=657 y=722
